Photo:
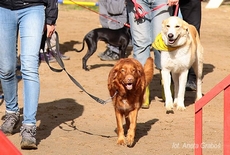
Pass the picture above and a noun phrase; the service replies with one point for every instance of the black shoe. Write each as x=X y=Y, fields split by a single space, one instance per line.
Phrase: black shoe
x=109 y=55
x=191 y=86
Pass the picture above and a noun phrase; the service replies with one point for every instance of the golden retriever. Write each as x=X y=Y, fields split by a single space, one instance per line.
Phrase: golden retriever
x=127 y=82
x=183 y=50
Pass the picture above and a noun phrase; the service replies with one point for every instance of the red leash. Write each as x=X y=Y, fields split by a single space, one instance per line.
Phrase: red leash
x=125 y=24
x=140 y=12
x=176 y=10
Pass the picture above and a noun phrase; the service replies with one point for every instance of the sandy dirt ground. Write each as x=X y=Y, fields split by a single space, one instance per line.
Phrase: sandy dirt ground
x=72 y=123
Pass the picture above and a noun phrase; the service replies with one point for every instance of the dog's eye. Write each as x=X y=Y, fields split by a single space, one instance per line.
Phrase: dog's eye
x=167 y=25
x=122 y=70
x=177 y=26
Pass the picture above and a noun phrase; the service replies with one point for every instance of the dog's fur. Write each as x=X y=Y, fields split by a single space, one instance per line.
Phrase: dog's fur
x=127 y=82
x=178 y=33
x=119 y=38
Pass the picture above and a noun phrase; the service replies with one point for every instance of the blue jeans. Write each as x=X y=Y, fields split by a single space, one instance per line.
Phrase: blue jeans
x=145 y=30
x=29 y=24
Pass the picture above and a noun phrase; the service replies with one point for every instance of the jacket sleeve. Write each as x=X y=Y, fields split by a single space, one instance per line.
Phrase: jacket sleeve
x=51 y=11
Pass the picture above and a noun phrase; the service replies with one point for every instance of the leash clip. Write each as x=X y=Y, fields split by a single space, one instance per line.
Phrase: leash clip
x=139 y=11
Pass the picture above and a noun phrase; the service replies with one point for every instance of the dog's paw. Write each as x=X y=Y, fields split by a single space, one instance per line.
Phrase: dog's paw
x=130 y=140
x=169 y=107
x=181 y=108
x=121 y=141
x=86 y=68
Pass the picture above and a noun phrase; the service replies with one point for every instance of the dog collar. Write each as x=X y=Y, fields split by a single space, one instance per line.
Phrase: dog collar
x=159 y=44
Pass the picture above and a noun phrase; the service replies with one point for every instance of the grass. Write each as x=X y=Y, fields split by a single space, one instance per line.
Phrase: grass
x=77 y=7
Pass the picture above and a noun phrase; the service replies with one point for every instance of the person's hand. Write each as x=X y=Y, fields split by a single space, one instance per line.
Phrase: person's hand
x=173 y=2
x=50 y=30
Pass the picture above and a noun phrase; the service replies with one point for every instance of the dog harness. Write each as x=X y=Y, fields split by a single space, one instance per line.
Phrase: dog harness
x=159 y=44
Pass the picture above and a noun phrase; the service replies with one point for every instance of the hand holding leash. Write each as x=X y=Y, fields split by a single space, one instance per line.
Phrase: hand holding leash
x=50 y=30
x=173 y=2
x=140 y=12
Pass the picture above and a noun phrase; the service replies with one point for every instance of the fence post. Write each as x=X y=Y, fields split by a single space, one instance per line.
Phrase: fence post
x=227 y=121
x=198 y=132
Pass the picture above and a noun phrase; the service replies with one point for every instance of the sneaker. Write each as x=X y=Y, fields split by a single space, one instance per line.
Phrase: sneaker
x=28 y=133
x=51 y=58
x=103 y=53
x=10 y=123
x=191 y=86
x=64 y=57
x=109 y=56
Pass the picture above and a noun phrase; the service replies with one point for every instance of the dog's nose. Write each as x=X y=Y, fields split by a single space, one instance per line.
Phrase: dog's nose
x=129 y=78
x=170 y=35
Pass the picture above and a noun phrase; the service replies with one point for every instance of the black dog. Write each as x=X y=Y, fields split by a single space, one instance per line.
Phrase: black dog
x=119 y=38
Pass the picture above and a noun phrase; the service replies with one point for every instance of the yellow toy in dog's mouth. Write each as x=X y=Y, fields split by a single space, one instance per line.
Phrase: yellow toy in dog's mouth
x=159 y=44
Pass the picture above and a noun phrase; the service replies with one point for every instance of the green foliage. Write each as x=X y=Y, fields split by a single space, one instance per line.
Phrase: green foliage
x=77 y=7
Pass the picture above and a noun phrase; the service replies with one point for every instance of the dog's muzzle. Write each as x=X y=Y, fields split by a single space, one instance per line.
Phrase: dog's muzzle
x=128 y=82
x=171 y=39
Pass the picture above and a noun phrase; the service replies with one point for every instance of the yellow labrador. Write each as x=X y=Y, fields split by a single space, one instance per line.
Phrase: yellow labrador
x=181 y=50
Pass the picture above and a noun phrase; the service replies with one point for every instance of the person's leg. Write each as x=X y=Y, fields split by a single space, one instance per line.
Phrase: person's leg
x=31 y=29
x=141 y=32
x=111 y=53
x=158 y=16
x=191 y=12
x=144 y=31
x=30 y=37
x=8 y=55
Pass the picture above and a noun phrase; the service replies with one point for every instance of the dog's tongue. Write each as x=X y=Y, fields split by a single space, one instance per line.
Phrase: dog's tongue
x=129 y=86
x=171 y=41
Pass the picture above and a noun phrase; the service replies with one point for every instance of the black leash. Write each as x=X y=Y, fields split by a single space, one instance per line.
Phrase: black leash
x=60 y=62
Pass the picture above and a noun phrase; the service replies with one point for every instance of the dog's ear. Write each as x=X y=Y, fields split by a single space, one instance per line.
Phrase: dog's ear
x=185 y=26
x=111 y=78
x=114 y=71
x=139 y=67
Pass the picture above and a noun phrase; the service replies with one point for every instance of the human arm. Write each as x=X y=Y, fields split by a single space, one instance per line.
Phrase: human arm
x=51 y=12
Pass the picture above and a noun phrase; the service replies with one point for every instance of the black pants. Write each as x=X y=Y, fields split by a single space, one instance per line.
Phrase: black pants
x=191 y=12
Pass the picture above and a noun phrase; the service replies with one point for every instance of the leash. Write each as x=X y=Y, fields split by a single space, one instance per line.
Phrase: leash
x=125 y=24
x=176 y=10
x=140 y=12
x=61 y=64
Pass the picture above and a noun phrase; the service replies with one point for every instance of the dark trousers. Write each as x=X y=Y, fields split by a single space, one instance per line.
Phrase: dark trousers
x=191 y=12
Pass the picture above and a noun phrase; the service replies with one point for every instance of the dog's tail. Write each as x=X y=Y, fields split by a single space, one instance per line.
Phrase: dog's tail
x=83 y=46
x=148 y=69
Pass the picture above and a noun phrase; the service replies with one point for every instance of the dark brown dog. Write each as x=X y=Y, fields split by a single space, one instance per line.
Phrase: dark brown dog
x=127 y=82
x=119 y=38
